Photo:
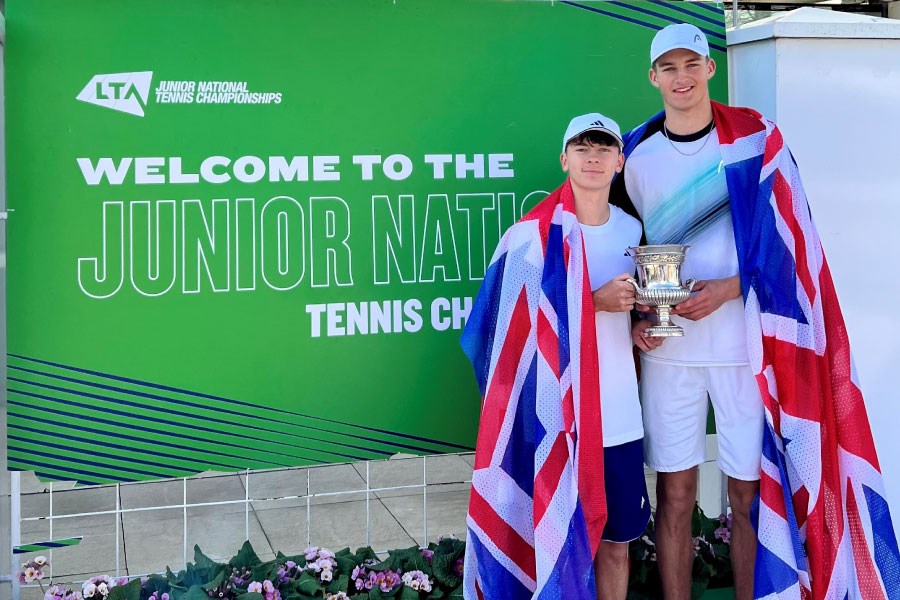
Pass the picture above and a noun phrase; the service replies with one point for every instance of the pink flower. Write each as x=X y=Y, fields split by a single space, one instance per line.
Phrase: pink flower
x=724 y=534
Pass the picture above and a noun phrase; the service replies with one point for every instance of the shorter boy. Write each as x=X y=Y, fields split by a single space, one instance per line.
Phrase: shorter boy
x=592 y=155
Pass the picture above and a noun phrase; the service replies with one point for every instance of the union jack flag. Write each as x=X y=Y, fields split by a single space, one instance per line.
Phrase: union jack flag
x=537 y=506
x=824 y=528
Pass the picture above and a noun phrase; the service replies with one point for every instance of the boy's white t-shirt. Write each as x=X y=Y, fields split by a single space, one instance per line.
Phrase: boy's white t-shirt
x=682 y=196
x=605 y=248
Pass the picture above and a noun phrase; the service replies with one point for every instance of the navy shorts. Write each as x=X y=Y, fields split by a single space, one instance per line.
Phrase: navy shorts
x=627 y=503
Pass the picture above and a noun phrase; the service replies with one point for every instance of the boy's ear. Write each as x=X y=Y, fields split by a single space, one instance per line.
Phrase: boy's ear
x=563 y=162
x=653 y=81
x=621 y=163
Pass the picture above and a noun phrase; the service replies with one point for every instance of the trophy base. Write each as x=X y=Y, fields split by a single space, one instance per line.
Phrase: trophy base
x=664 y=331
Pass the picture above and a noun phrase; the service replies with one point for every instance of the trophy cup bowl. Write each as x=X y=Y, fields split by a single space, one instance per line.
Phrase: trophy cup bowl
x=659 y=284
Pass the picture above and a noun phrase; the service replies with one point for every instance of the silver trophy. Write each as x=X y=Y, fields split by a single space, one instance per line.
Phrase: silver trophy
x=659 y=284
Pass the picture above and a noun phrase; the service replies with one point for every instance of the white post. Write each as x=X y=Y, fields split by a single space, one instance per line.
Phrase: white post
x=15 y=527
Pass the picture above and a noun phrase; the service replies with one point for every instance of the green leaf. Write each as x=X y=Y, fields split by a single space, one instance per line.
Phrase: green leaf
x=407 y=593
x=129 y=591
x=251 y=596
x=307 y=584
x=457 y=593
x=155 y=583
x=196 y=593
x=346 y=563
x=175 y=580
x=194 y=576
x=365 y=553
x=245 y=558
x=414 y=561
x=264 y=571
x=339 y=584
x=201 y=561
x=392 y=562
x=216 y=582
x=442 y=566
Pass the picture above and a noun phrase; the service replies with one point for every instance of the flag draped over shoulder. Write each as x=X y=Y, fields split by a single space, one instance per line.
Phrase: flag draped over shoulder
x=537 y=505
x=824 y=527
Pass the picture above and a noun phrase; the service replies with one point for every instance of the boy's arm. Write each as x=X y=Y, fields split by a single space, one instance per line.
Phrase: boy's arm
x=616 y=295
x=708 y=296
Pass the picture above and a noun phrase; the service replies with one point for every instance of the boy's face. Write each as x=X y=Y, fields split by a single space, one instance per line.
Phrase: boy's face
x=591 y=166
x=682 y=77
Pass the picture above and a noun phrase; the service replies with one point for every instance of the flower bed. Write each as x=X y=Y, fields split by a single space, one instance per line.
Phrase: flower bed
x=430 y=573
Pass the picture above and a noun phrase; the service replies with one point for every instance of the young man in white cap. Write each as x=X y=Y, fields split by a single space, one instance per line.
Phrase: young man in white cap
x=675 y=180
x=591 y=156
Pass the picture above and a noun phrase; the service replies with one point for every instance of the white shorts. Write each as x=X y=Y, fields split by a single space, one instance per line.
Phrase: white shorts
x=674 y=400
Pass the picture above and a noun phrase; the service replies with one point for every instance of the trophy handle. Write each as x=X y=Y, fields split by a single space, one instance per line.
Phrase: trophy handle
x=637 y=286
x=689 y=284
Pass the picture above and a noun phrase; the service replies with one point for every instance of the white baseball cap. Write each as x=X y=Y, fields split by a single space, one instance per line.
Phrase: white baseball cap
x=591 y=122
x=681 y=35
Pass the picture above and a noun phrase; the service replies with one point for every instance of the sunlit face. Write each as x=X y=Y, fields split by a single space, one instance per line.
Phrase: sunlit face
x=591 y=166
x=682 y=77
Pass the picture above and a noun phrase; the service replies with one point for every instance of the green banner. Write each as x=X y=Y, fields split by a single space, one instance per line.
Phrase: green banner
x=248 y=234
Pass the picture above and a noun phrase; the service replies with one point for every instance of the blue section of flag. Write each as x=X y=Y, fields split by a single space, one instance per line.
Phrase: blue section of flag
x=766 y=263
x=887 y=554
x=496 y=581
x=477 y=339
x=522 y=440
x=553 y=284
x=573 y=574
x=773 y=575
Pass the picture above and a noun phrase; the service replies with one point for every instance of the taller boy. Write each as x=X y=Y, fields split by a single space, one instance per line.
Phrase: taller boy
x=776 y=363
x=675 y=179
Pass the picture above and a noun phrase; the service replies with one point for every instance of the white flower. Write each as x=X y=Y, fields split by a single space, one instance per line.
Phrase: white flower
x=40 y=560
x=255 y=587
x=326 y=575
x=103 y=589
x=88 y=590
x=29 y=574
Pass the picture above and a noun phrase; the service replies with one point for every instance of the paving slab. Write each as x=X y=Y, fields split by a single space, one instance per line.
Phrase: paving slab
x=446 y=514
x=341 y=524
x=154 y=540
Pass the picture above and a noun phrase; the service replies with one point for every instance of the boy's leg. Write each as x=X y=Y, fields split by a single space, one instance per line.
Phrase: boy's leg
x=611 y=570
x=676 y=494
x=740 y=420
x=743 y=536
x=628 y=512
x=675 y=404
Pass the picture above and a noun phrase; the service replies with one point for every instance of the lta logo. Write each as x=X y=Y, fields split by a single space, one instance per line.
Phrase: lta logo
x=125 y=92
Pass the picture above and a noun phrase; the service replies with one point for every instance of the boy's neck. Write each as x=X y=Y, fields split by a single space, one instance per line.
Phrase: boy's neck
x=682 y=122
x=591 y=206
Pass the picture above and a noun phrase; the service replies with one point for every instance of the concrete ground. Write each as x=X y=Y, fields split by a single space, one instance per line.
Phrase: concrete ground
x=283 y=510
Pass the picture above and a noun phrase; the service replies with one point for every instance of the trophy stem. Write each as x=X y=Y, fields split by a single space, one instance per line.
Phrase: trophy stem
x=665 y=327
x=663 y=311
